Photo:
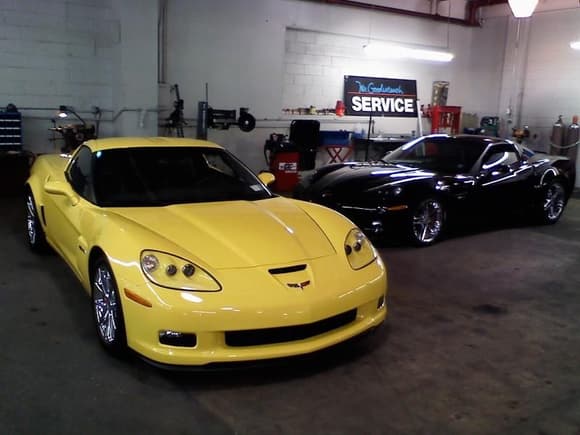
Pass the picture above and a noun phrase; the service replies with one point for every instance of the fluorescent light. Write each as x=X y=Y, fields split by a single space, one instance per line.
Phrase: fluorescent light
x=435 y=56
x=393 y=51
x=575 y=45
x=523 y=8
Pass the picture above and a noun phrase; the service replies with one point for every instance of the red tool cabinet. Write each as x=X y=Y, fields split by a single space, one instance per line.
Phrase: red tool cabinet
x=445 y=119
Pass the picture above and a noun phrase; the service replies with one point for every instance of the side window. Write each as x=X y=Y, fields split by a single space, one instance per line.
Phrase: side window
x=80 y=174
x=216 y=161
x=500 y=155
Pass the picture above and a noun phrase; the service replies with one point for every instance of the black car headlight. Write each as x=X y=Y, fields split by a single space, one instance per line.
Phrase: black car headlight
x=394 y=191
x=177 y=273
x=359 y=250
x=386 y=191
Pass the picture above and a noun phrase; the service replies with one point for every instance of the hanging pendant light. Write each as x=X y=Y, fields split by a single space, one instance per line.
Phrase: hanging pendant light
x=523 y=8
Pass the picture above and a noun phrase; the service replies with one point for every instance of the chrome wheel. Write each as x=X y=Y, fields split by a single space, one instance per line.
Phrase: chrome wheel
x=34 y=232
x=554 y=201
x=31 y=220
x=427 y=222
x=106 y=305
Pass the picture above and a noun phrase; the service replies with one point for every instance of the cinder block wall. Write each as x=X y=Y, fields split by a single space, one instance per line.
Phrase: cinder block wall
x=55 y=52
x=79 y=53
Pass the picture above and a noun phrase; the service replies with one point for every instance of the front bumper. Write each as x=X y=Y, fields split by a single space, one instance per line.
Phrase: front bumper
x=376 y=220
x=253 y=303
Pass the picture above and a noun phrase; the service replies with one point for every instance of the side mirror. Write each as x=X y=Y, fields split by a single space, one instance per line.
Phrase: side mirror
x=63 y=189
x=267 y=178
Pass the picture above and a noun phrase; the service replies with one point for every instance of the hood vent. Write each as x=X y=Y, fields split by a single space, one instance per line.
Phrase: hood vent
x=288 y=269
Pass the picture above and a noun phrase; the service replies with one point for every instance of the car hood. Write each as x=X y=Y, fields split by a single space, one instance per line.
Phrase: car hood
x=235 y=234
x=364 y=176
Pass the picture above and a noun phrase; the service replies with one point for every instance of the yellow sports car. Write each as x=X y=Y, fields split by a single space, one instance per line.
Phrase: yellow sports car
x=189 y=259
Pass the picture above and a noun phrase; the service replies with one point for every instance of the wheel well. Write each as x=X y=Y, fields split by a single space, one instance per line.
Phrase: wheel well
x=568 y=186
x=95 y=254
x=436 y=196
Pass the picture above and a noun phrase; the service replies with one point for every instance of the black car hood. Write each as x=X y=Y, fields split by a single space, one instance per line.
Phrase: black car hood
x=366 y=176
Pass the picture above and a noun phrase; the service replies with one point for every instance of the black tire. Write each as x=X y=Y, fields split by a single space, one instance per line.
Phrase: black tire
x=107 y=309
x=34 y=232
x=553 y=201
x=426 y=222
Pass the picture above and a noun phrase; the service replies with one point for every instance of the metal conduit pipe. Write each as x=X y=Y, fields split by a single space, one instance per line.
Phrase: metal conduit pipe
x=126 y=109
x=470 y=19
x=115 y=114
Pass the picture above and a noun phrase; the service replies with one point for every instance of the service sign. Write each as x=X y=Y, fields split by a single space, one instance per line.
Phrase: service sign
x=366 y=96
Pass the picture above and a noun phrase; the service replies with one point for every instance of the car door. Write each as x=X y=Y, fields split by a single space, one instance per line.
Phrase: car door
x=66 y=208
x=504 y=179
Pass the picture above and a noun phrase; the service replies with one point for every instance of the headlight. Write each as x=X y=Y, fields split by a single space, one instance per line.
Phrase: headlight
x=386 y=190
x=174 y=272
x=395 y=191
x=358 y=249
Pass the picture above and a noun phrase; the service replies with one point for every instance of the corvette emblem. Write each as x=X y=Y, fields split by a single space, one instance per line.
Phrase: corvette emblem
x=299 y=285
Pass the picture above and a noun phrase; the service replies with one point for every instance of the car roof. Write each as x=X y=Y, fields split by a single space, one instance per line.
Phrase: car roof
x=470 y=138
x=144 y=142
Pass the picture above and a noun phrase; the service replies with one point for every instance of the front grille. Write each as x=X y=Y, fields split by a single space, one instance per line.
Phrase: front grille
x=256 y=337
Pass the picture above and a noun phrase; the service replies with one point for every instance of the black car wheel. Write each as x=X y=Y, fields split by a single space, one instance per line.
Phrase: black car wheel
x=426 y=222
x=34 y=232
x=553 y=202
x=107 y=310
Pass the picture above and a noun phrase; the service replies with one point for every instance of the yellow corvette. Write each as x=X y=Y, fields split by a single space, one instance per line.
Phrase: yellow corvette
x=189 y=259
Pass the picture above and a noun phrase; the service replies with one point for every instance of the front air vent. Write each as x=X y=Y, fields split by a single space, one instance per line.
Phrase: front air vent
x=285 y=334
x=288 y=269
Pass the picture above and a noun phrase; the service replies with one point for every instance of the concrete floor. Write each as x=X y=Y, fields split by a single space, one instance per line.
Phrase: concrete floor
x=482 y=338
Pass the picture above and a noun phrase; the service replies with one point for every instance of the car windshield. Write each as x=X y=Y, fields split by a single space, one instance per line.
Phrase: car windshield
x=441 y=154
x=172 y=175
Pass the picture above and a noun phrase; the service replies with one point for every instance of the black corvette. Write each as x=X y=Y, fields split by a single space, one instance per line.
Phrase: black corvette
x=422 y=186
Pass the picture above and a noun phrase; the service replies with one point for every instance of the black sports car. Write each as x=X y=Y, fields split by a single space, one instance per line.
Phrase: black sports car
x=421 y=185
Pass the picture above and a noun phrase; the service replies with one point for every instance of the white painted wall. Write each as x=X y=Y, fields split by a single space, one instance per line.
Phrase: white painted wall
x=273 y=54
x=135 y=94
x=551 y=74
x=86 y=53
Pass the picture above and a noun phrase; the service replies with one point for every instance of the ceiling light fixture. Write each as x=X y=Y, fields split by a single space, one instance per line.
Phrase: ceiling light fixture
x=575 y=45
x=523 y=8
x=393 y=51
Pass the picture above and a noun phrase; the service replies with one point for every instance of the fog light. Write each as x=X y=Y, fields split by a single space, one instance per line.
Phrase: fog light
x=174 y=338
x=381 y=302
x=171 y=270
